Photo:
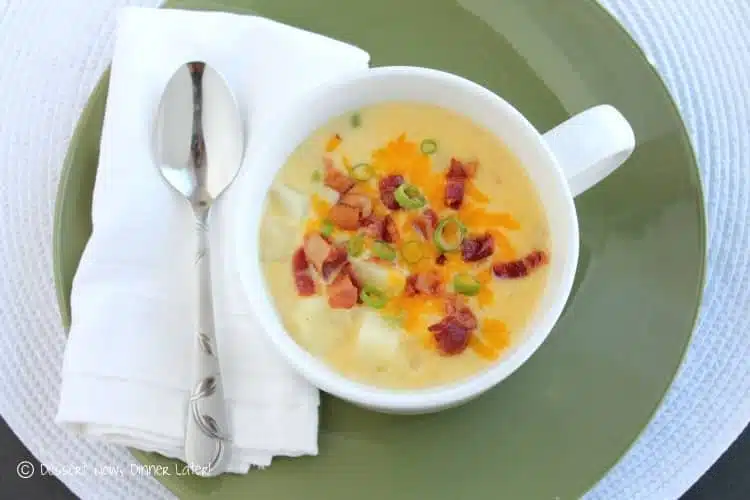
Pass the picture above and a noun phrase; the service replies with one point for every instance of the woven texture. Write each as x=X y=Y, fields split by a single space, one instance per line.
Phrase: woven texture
x=54 y=52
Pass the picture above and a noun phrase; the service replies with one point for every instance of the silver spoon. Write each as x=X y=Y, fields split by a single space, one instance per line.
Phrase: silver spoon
x=199 y=144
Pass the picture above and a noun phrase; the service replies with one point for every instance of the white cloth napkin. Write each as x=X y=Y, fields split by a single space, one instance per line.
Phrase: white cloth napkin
x=127 y=365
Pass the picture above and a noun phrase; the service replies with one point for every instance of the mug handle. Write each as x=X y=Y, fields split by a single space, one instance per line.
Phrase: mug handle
x=591 y=145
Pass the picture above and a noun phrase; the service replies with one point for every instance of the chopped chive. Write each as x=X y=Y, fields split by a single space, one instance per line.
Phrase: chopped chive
x=441 y=239
x=316 y=176
x=356 y=245
x=355 y=120
x=409 y=196
x=362 y=172
x=466 y=284
x=428 y=146
x=326 y=229
x=383 y=250
x=373 y=297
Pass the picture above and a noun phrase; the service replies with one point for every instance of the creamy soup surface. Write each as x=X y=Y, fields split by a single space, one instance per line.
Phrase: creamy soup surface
x=404 y=246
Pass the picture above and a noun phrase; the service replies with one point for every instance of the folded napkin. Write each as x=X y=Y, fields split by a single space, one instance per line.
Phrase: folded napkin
x=127 y=366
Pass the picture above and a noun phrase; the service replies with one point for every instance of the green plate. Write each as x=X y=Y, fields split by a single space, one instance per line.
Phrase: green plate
x=554 y=428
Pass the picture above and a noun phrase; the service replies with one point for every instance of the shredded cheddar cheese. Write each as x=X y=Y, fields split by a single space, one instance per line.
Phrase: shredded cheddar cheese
x=396 y=282
x=495 y=333
x=403 y=157
x=333 y=143
x=320 y=206
x=399 y=156
x=486 y=296
x=473 y=192
x=313 y=225
x=503 y=247
x=479 y=217
x=483 y=350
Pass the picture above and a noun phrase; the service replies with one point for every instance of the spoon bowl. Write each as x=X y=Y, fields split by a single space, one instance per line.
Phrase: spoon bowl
x=198 y=134
x=199 y=144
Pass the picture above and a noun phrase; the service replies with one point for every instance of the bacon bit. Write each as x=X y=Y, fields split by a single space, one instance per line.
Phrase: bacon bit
x=536 y=259
x=476 y=248
x=457 y=175
x=410 y=287
x=456 y=170
x=302 y=279
x=316 y=250
x=373 y=226
x=387 y=186
x=424 y=283
x=423 y=227
x=522 y=267
x=453 y=333
x=456 y=307
x=344 y=216
x=333 y=143
x=432 y=217
x=335 y=178
x=348 y=269
x=466 y=318
x=426 y=223
x=441 y=259
x=299 y=260
x=450 y=336
x=305 y=284
x=359 y=201
x=454 y=193
x=325 y=258
x=390 y=230
x=460 y=170
x=342 y=293
x=336 y=259
x=429 y=283
x=513 y=269
x=453 y=303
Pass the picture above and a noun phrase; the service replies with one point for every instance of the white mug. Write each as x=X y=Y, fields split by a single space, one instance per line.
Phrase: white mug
x=563 y=163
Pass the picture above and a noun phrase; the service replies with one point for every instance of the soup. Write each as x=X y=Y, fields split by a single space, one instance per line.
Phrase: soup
x=404 y=246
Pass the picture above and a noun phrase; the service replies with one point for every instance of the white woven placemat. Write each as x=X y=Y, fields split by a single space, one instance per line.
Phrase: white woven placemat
x=54 y=52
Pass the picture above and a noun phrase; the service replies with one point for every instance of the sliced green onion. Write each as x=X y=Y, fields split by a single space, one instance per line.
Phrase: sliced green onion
x=326 y=229
x=428 y=146
x=409 y=196
x=316 y=176
x=411 y=251
x=466 y=284
x=440 y=238
x=362 y=172
x=383 y=250
x=373 y=297
x=356 y=245
x=355 y=120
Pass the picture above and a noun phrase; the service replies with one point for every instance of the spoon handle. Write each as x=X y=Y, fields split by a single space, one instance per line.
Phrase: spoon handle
x=207 y=430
